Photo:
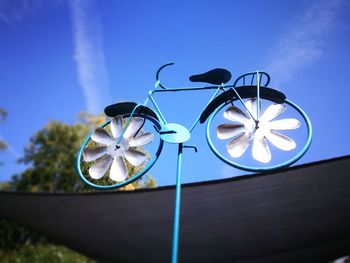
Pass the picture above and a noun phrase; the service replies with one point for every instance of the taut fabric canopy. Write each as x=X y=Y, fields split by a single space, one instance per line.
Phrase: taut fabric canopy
x=299 y=214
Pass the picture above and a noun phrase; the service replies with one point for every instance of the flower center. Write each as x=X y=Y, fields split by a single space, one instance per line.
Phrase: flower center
x=250 y=128
x=118 y=149
x=259 y=129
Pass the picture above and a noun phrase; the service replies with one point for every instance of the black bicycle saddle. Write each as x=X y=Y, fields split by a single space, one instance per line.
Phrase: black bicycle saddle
x=215 y=76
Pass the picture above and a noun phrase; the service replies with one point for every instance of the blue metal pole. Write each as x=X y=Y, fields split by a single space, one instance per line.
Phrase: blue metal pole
x=177 y=206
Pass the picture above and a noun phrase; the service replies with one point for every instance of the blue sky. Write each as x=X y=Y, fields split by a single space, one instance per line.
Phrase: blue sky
x=59 y=58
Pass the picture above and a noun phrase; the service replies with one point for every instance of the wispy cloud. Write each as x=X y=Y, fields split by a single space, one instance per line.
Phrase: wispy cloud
x=306 y=40
x=13 y=11
x=89 y=54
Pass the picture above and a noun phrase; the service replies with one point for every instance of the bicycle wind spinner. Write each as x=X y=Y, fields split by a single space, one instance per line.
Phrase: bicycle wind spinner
x=249 y=126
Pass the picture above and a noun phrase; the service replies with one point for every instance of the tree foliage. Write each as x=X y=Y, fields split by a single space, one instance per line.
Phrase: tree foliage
x=51 y=157
x=13 y=236
x=42 y=253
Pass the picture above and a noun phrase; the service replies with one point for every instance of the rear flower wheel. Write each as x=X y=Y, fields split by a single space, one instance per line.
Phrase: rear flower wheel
x=233 y=129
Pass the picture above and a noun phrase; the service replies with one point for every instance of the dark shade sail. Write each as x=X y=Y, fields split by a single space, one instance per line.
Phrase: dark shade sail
x=299 y=214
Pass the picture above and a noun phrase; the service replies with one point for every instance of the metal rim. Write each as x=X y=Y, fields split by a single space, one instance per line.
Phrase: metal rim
x=133 y=178
x=287 y=163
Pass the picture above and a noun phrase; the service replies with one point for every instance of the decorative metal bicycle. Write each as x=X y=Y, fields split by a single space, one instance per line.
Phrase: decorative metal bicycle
x=240 y=116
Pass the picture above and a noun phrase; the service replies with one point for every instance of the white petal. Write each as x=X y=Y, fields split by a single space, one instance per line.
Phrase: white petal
x=238 y=145
x=141 y=140
x=133 y=128
x=116 y=126
x=284 y=124
x=93 y=153
x=101 y=136
x=100 y=167
x=272 y=112
x=118 y=170
x=226 y=131
x=261 y=151
x=235 y=114
x=134 y=157
x=281 y=141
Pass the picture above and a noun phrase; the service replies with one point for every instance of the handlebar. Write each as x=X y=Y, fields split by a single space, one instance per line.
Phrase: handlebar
x=157 y=74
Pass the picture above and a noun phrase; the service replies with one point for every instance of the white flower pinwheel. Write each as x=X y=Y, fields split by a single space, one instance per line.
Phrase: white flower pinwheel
x=110 y=155
x=245 y=129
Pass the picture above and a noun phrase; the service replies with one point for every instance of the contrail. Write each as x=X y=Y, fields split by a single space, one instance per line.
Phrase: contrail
x=10 y=148
x=89 y=55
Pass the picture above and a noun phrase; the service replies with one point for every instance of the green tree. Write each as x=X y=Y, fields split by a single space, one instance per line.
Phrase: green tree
x=42 y=253
x=51 y=156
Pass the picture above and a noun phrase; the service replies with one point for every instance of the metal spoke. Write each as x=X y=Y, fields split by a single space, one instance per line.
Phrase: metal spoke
x=236 y=115
x=252 y=105
x=134 y=126
x=241 y=101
